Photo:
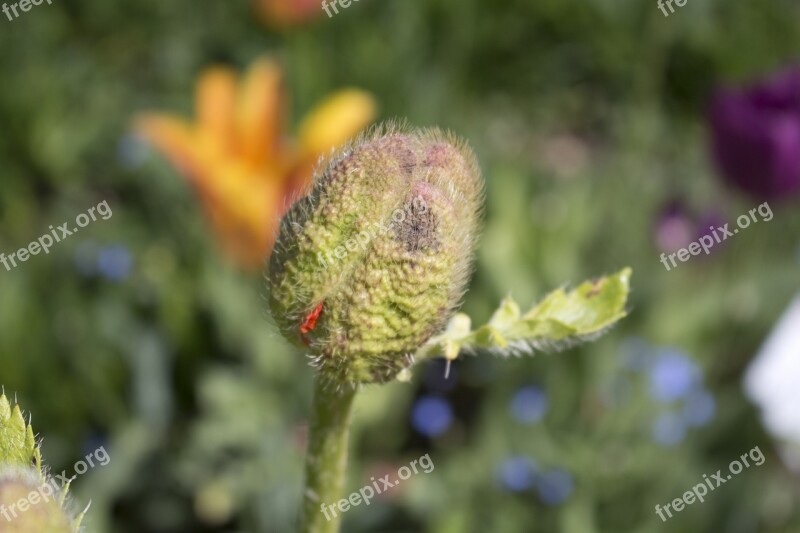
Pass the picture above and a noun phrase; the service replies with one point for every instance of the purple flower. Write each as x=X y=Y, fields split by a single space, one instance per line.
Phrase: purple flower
x=708 y=222
x=674 y=227
x=755 y=134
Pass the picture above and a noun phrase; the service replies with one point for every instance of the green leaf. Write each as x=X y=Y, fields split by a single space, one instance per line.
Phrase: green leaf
x=562 y=319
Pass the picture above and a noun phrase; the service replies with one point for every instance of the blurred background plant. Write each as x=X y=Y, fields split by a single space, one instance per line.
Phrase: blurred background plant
x=593 y=125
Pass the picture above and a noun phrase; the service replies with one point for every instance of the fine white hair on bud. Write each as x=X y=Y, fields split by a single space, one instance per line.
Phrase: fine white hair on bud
x=376 y=257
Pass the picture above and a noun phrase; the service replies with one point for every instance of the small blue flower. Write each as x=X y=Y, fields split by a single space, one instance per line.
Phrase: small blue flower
x=114 y=263
x=529 y=404
x=699 y=409
x=669 y=429
x=555 y=486
x=672 y=375
x=431 y=416
x=517 y=473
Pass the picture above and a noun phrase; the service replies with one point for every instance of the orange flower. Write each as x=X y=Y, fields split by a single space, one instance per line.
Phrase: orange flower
x=279 y=14
x=244 y=170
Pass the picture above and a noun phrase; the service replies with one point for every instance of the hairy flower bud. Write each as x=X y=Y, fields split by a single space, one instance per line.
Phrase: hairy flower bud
x=374 y=260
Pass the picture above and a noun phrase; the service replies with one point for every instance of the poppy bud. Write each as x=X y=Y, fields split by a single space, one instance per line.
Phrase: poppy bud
x=375 y=259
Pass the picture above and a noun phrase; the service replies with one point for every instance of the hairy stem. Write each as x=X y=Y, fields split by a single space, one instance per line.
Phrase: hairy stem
x=326 y=458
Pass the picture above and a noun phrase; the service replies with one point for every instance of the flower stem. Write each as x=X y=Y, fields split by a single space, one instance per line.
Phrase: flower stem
x=326 y=458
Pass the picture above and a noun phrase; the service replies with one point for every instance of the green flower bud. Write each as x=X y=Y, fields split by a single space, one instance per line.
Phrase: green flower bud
x=375 y=259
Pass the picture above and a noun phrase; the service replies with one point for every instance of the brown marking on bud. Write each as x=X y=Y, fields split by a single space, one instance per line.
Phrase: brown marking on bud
x=595 y=290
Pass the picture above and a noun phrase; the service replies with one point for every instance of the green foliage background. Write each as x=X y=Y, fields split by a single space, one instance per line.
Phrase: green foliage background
x=588 y=117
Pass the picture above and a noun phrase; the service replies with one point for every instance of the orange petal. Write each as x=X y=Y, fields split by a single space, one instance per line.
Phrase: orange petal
x=260 y=112
x=286 y=13
x=334 y=121
x=173 y=138
x=215 y=103
x=243 y=209
x=182 y=147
